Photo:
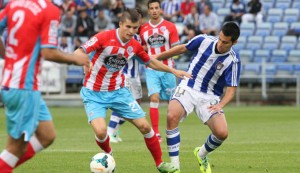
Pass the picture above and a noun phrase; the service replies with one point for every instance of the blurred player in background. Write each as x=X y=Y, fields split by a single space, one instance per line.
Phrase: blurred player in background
x=32 y=34
x=158 y=35
x=103 y=86
x=133 y=83
x=214 y=66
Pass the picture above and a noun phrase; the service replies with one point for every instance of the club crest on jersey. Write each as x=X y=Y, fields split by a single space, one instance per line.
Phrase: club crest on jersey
x=219 y=65
x=156 y=40
x=115 y=62
x=129 y=50
x=163 y=28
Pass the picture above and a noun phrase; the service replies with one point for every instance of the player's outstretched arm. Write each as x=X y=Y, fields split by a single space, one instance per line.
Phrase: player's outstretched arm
x=157 y=65
x=2 y=49
x=61 y=57
x=177 y=50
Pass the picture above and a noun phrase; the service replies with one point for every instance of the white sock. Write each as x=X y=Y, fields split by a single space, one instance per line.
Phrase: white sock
x=175 y=161
x=202 y=152
x=9 y=158
x=35 y=143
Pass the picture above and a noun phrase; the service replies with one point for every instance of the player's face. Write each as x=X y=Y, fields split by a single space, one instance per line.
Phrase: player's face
x=128 y=29
x=224 y=43
x=154 y=10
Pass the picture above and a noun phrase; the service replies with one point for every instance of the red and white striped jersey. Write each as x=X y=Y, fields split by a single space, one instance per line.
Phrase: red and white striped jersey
x=109 y=56
x=159 y=38
x=32 y=25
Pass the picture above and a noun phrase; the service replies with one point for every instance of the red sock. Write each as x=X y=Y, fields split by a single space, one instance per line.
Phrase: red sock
x=104 y=145
x=4 y=167
x=154 y=147
x=154 y=116
x=28 y=155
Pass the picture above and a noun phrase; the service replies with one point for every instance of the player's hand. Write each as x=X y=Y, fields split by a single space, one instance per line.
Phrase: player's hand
x=216 y=108
x=182 y=74
x=88 y=68
x=154 y=56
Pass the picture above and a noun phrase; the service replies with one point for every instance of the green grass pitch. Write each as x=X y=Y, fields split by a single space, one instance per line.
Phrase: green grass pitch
x=261 y=140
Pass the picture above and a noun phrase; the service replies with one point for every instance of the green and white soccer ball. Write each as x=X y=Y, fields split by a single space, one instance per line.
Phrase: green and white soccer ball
x=102 y=163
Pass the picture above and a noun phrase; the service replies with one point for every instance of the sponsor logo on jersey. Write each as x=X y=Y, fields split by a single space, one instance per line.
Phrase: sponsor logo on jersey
x=156 y=40
x=115 y=62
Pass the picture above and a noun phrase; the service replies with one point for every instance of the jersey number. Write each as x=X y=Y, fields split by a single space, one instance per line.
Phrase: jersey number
x=17 y=17
x=134 y=106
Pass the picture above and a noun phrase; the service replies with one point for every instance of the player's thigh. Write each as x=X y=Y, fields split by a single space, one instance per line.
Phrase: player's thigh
x=203 y=102
x=168 y=81
x=185 y=100
x=96 y=103
x=22 y=109
x=153 y=81
x=126 y=106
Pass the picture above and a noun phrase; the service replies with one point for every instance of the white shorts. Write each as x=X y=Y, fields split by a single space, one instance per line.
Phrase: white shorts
x=135 y=86
x=192 y=100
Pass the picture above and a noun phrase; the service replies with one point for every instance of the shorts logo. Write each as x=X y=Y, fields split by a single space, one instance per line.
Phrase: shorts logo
x=219 y=65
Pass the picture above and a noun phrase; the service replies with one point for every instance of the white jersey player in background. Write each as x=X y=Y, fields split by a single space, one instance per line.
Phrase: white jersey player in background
x=214 y=66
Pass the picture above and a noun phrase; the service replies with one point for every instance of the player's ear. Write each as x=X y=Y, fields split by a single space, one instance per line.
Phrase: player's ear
x=120 y=24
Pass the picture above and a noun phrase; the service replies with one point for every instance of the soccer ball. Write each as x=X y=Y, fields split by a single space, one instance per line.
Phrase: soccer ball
x=102 y=163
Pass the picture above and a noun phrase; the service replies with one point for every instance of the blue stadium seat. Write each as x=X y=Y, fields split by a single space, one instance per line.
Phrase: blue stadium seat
x=271 y=42
x=254 y=42
x=247 y=29
x=74 y=74
x=285 y=69
x=252 y=69
x=279 y=56
x=271 y=72
x=240 y=44
x=217 y=4
x=261 y=54
x=296 y=4
x=282 y=4
x=291 y=15
x=246 y=55
x=274 y=15
x=280 y=29
x=297 y=69
x=222 y=13
x=263 y=29
x=288 y=42
x=267 y=4
x=294 y=56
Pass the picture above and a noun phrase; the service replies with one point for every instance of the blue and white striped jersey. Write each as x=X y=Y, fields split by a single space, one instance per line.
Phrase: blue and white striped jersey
x=211 y=72
x=131 y=69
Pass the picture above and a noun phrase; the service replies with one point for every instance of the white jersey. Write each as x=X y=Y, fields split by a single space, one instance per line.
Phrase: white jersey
x=131 y=69
x=211 y=72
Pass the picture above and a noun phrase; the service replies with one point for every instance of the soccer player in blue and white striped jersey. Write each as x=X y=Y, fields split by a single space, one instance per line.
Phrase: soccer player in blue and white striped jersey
x=214 y=66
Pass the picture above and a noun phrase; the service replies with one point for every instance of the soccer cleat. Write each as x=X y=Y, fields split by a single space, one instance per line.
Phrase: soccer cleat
x=203 y=163
x=113 y=139
x=167 y=168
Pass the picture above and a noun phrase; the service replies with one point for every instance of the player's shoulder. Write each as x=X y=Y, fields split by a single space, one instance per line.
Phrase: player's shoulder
x=235 y=56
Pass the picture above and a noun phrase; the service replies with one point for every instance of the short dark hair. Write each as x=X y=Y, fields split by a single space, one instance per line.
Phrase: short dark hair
x=130 y=14
x=153 y=1
x=140 y=12
x=231 y=29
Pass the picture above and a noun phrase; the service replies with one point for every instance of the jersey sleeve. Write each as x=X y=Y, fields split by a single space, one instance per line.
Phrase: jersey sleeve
x=49 y=31
x=195 y=43
x=142 y=54
x=232 y=74
x=95 y=42
x=174 y=38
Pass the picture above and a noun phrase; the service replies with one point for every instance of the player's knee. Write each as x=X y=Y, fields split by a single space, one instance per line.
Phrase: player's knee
x=172 y=118
x=144 y=128
x=47 y=140
x=222 y=134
